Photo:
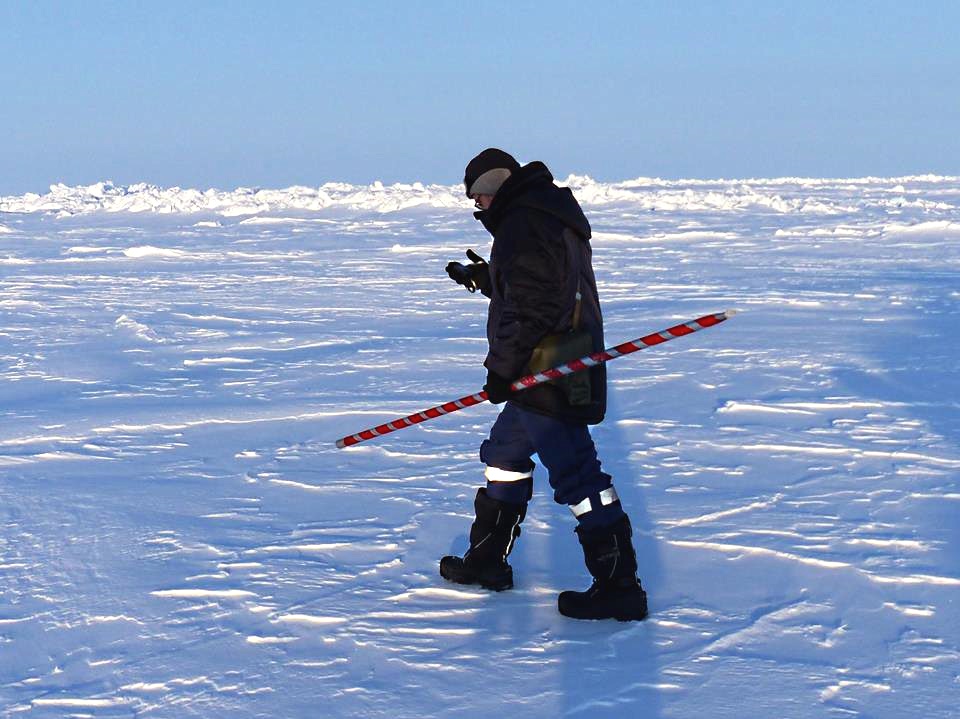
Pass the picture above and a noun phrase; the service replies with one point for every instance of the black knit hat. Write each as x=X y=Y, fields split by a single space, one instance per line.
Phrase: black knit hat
x=480 y=168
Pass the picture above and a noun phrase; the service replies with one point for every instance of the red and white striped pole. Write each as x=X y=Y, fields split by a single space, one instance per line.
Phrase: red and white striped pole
x=532 y=380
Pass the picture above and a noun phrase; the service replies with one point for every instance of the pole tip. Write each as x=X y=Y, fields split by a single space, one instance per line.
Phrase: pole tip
x=341 y=444
x=730 y=313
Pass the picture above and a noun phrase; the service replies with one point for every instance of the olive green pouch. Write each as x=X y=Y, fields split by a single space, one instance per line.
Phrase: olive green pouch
x=557 y=349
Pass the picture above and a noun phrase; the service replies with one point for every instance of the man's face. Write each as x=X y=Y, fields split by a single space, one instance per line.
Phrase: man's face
x=482 y=202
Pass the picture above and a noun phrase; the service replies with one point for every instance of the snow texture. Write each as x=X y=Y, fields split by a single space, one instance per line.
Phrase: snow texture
x=181 y=538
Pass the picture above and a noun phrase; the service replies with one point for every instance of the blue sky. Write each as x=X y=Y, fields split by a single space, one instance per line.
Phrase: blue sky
x=224 y=94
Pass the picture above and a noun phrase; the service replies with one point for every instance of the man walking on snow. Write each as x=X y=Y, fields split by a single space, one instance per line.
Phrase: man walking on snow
x=544 y=310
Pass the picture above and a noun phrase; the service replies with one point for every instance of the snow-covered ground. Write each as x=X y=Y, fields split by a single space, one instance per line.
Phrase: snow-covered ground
x=180 y=536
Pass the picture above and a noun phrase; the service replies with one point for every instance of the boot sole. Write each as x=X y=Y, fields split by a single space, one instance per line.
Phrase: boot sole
x=619 y=616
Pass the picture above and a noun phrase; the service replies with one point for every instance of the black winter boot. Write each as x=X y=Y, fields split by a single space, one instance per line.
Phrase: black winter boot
x=616 y=592
x=492 y=535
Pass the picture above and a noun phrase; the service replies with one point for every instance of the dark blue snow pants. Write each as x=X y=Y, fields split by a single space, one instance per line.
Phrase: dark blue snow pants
x=568 y=453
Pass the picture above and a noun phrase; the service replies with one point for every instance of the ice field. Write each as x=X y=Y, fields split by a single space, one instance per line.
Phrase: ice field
x=180 y=537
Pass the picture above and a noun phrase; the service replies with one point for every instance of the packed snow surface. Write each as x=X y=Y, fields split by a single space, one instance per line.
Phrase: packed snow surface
x=181 y=538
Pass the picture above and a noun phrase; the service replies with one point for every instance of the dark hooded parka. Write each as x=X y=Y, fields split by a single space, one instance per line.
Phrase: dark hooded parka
x=541 y=254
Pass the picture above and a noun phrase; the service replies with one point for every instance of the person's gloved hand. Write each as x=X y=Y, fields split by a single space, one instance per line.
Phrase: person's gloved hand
x=475 y=276
x=497 y=388
x=461 y=274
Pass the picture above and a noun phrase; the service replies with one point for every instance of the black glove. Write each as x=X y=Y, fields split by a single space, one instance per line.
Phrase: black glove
x=475 y=276
x=497 y=388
